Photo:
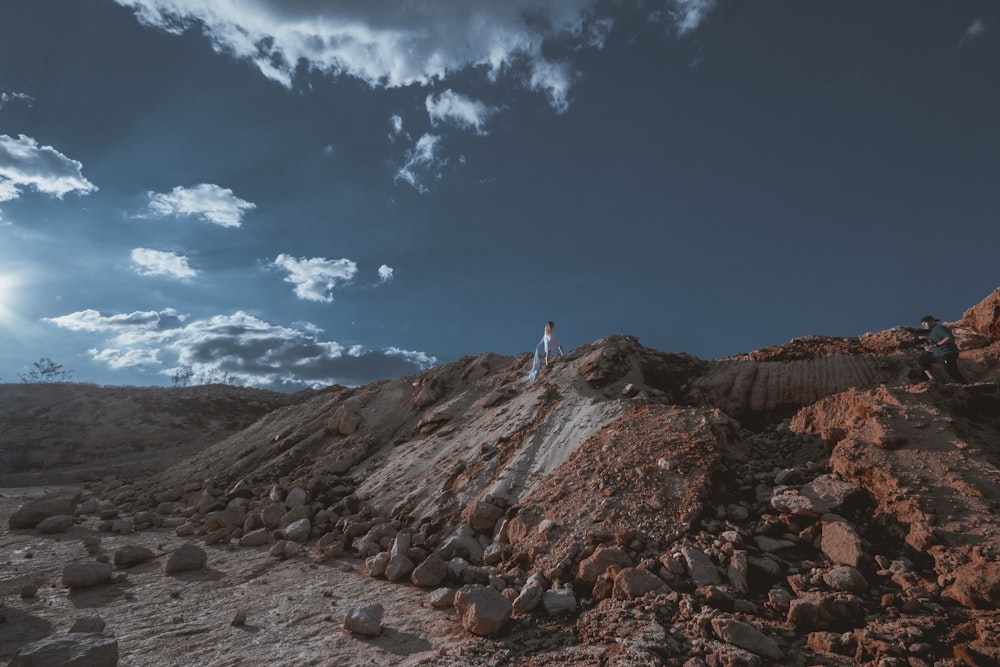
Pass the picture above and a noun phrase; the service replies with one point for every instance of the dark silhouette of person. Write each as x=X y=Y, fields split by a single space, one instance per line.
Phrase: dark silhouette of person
x=941 y=348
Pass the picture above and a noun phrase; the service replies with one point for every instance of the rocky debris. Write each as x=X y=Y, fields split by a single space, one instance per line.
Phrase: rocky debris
x=130 y=555
x=37 y=511
x=88 y=624
x=72 y=649
x=804 y=504
x=365 y=620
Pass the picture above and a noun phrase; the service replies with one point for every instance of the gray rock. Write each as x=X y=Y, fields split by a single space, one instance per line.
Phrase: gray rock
x=59 y=523
x=398 y=568
x=746 y=636
x=443 y=597
x=83 y=574
x=188 y=556
x=559 y=601
x=256 y=538
x=37 y=510
x=845 y=578
x=70 y=649
x=365 y=620
x=700 y=567
x=430 y=573
x=130 y=555
x=297 y=531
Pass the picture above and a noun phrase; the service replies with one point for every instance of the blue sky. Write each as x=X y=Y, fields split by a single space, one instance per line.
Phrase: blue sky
x=297 y=193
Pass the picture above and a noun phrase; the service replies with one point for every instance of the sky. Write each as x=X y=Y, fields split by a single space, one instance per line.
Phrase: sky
x=298 y=193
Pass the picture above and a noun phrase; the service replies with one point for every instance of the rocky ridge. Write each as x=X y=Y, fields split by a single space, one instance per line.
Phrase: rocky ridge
x=811 y=503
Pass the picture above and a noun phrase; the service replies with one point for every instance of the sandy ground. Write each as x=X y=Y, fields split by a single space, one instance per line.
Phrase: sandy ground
x=295 y=608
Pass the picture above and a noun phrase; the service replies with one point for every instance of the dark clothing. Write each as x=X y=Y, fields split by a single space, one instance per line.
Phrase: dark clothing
x=946 y=355
x=949 y=361
x=939 y=333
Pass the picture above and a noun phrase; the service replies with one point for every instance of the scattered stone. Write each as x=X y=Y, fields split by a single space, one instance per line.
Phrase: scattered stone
x=130 y=555
x=365 y=620
x=59 y=523
x=37 y=510
x=83 y=574
x=482 y=610
x=188 y=556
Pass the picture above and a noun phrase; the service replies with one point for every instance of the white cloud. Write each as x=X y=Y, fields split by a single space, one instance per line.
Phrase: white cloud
x=396 y=125
x=423 y=163
x=208 y=202
x=385 y=273
x=689 y=14
x=973 y=32
x=315 y=278
x=24 y=164
x=453 y=107
x=7 y=98
x=386 y=44
x=241 y=347
x=94 y=322
x=148 y=262
x=118 y=359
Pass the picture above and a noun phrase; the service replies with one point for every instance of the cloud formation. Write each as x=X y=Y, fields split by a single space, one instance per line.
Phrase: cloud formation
x=384 y=45
x=240 y=347
x=147 y=262
x=423 y=163
x=25 y=164
x=7 y=98
x=315 y=278
x=204 y=201
x=973 y=32
x=452 y=107
x=385 y=273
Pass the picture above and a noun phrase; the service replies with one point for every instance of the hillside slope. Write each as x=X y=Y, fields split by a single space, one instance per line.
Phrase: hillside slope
x=809 y=503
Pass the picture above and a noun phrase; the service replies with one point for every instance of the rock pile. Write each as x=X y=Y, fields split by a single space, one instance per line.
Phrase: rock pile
x=804 y=505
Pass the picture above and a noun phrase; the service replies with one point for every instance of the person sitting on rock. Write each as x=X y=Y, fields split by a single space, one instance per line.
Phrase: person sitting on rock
x=940 y=347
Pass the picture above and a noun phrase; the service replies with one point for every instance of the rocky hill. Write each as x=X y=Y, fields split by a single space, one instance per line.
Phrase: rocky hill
x=812 y=503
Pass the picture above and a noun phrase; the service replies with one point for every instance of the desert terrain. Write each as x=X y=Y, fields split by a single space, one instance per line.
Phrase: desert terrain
x=811 y=503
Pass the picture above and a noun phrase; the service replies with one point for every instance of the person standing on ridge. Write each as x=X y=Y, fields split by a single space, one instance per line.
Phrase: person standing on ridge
x=940 y=347
x=549 y=342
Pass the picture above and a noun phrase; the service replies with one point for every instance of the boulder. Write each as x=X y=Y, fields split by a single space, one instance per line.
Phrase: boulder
x=482 y=610
x=37 y=510
x=70 y=649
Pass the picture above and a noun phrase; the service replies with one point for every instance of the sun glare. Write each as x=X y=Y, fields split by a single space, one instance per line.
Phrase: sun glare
x=8 y=296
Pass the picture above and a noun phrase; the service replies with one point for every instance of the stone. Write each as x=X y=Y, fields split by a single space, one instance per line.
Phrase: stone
x=700 y=567
x=845 y=578
x=37 y=510
x=483 y=516
x=841 y=543
x=59 y=523
x=365 y=620
x=188 y=556
x=297 y=531
x=398 y=568
x=430 y=573
x=83 y=574
x=442 y=597
x=976 y=586
x=559 y=601
x=633 y=582
x=130 y=555
x=482 y=610
x=256 y=538
x=746 y=636
x=602 y=558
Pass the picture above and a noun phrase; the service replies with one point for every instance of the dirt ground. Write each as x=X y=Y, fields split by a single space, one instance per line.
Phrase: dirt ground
x=294 y=608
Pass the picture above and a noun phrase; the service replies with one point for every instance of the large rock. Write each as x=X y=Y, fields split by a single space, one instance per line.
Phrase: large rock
x=37 y=510
x=842 y=544
x=976 y=586
x=188 y=556
x=83 y=574
x=602 y=558
x=634 y=582
x=70 y=649
x=482 y=609
x=984 y=317
x=365 y=620
x=430 y=573
x=746 y=636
